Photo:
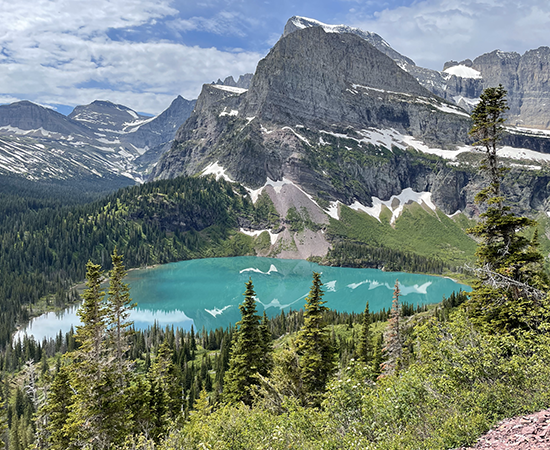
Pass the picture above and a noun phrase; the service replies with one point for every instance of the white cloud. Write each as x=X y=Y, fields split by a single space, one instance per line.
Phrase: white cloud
x=61 y=52
x=434 y=31
x=222 y=23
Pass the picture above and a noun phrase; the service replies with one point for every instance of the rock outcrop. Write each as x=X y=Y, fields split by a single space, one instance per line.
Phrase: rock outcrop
x=525 y=77
x=530 y=432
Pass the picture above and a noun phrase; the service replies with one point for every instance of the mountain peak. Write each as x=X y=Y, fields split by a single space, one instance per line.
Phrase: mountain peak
x=296 y=23
x=310 y=74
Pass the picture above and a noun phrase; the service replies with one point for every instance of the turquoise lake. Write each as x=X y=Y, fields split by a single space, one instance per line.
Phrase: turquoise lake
x=206 y=292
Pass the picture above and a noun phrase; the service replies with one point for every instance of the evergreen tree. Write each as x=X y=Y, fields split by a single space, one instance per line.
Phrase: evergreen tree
x=98 y=413
x=165 y=394
x=313 y=344
x=266 y=346
x=56 y=411
x=394 y=342
x=511 y=280
x=91 y=334
x=119 y=306
x=94 y=417
x=364 y=349
x=378 y=356
x=246 y=352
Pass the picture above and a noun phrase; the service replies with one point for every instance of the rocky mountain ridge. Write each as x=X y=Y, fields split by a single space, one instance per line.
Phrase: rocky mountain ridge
x=95 y=140
x=525 y=77
x=340 y=87
x=330 y=120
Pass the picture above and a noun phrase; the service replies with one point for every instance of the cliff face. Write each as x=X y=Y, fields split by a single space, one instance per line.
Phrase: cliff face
x=316 y=78
x=526 y=78
x=313 y=90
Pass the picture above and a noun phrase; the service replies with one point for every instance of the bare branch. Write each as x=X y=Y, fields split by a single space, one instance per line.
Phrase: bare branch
x=498 y=281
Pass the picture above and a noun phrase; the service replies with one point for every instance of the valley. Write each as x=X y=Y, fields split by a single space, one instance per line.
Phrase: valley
x=340 y=160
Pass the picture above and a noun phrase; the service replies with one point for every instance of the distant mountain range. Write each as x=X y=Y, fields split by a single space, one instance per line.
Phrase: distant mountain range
x=94 y=141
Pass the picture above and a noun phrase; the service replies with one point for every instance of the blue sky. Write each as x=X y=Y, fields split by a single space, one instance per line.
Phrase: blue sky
x=143 y=53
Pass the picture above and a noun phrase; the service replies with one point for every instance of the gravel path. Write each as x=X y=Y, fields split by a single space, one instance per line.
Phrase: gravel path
x=520 y=433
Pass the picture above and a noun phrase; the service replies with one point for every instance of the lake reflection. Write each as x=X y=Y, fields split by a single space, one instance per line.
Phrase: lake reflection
x=207 y=292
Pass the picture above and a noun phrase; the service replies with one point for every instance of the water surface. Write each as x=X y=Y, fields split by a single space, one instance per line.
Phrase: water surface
x=206 y=292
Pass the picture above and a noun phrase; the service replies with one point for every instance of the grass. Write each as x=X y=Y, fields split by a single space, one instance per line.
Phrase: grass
x=417 y=230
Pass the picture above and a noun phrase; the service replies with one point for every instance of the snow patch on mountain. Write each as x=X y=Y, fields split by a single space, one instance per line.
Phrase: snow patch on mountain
x=463 y=71
x=298 y=135
x=234 y=90
x=305 y=22
x=218 y=171
x=395 y=204
x=272 y=236
x=531 y=131
x=233 y=112
x=522 y=154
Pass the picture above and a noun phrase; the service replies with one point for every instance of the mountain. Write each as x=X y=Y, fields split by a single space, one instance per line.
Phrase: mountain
x=243 y=82
x=299 y=23
x=525 y=77
x=331 y=124
x=312 y=86
x=100 y=141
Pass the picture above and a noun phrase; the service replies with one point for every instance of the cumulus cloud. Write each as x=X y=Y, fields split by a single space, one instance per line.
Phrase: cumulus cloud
x=434 y=31
x=61 y=52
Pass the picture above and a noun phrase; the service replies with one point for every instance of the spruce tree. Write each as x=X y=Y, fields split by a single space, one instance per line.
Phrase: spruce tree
x=393 y=339
x=119 y=305
x=246 y=352
x=509 y=266
x=314 y=345
x=364 y=349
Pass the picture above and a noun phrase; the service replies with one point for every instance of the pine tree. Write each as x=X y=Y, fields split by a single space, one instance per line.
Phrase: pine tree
x=119 y=305
x=246 y=352
x=313 y=344
x=511 y=280
x=364 y=349
x=394 y=343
